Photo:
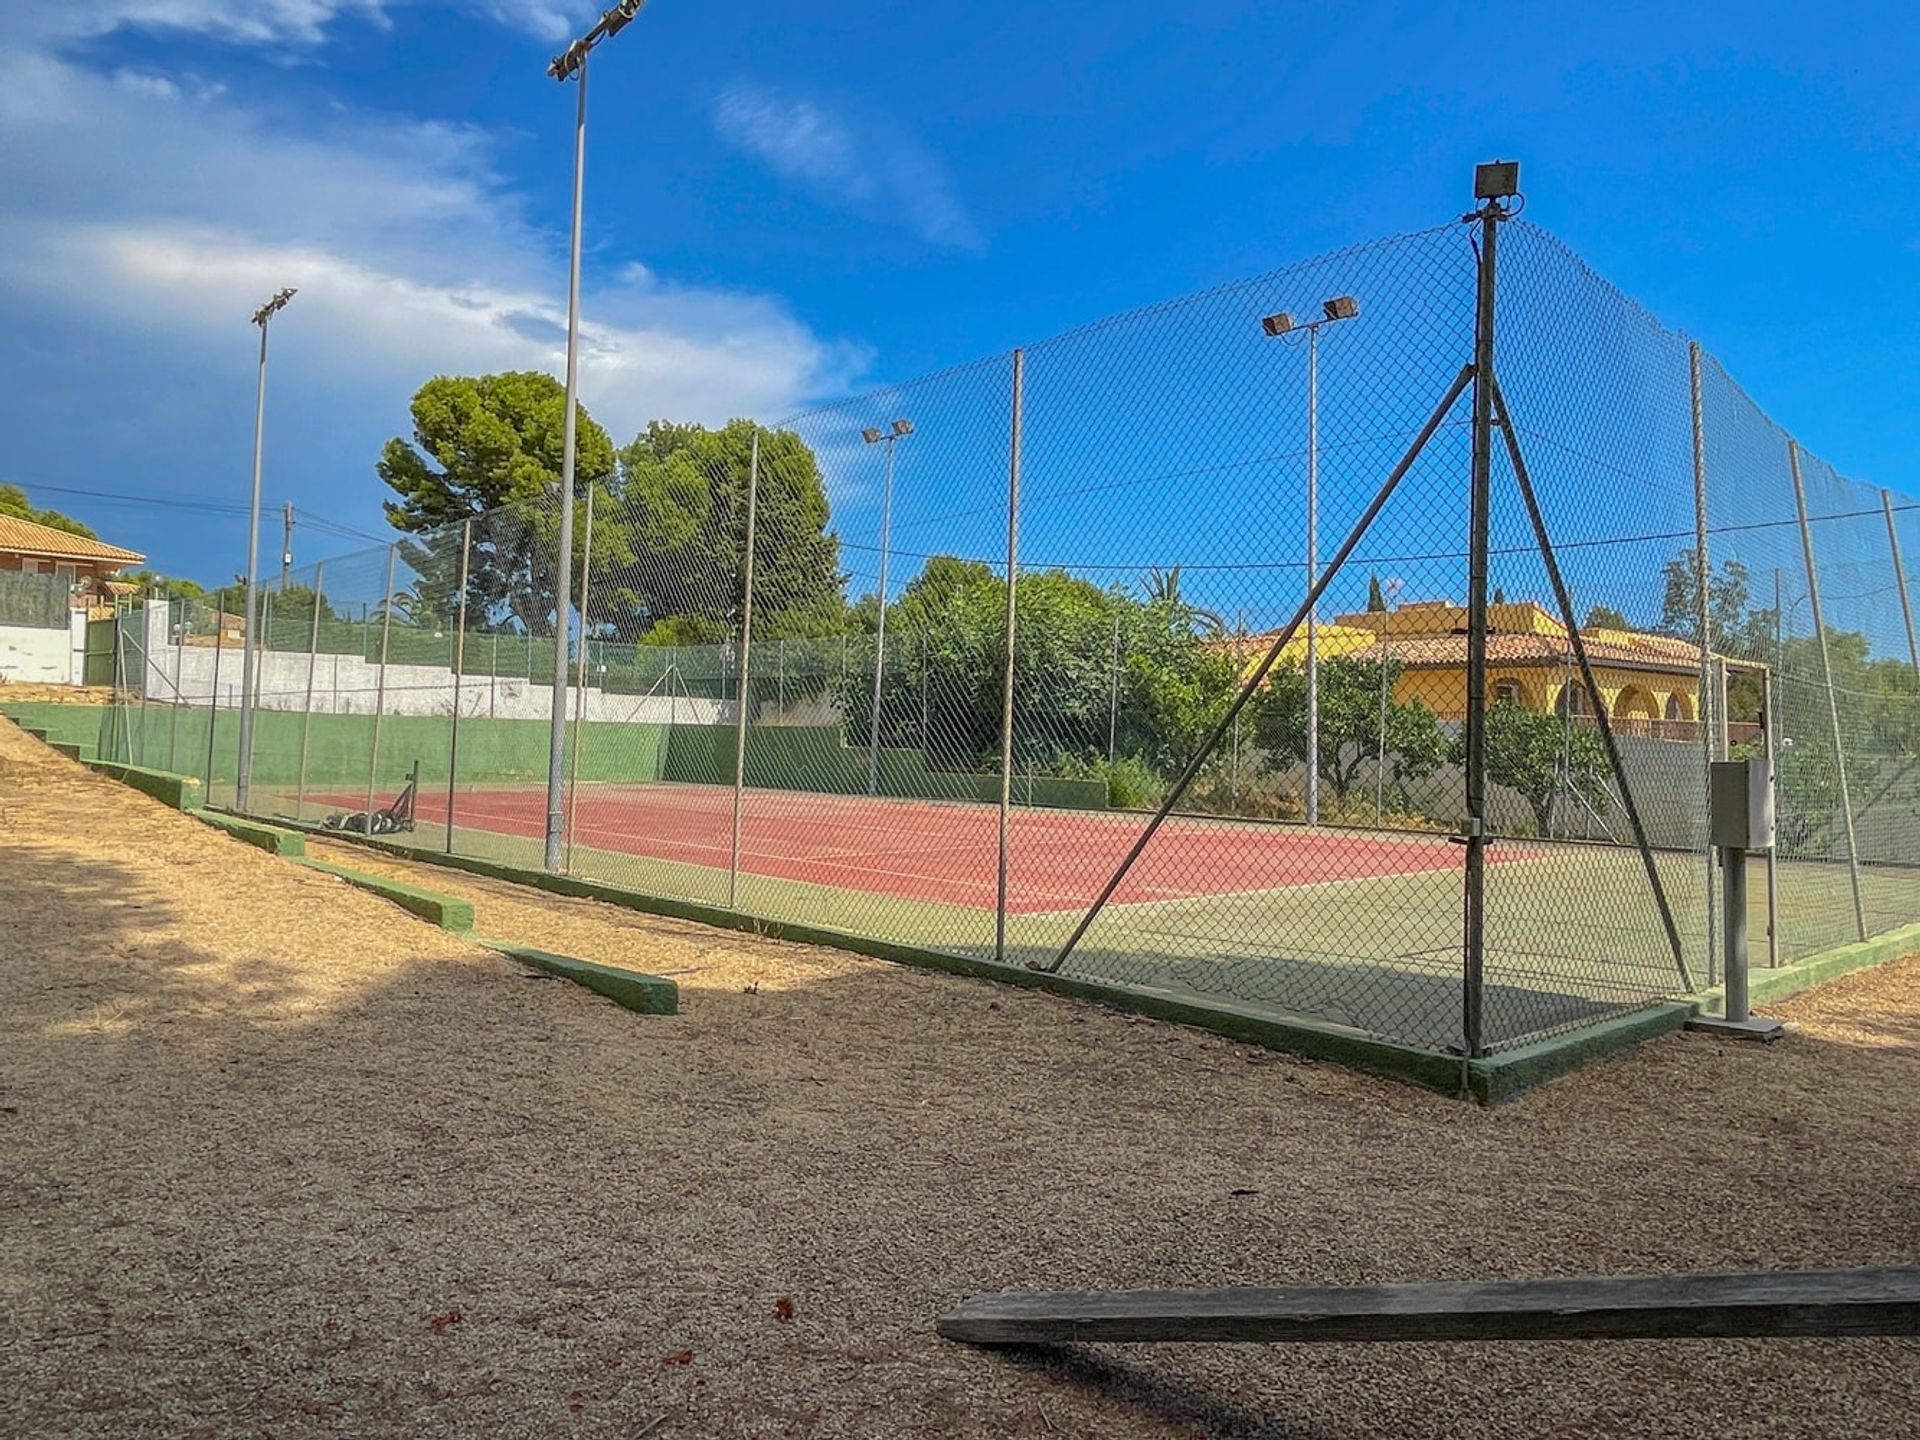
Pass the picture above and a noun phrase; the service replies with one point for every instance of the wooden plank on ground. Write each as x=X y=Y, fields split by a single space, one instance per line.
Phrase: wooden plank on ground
x=1883 y=1301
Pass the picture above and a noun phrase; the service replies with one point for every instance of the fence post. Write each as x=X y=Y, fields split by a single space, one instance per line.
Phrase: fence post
x=213 y=695
x=746 y=654
x=1006 y=677
x=1773 y=851
x=1113 y=694
x=459 y=673
x=380 y=686
x=1900 y=581
x=579 y=678
x=306 y=713
x=1833 y=702
x=179 y=658
x=1703 y=622
x=1474 y=915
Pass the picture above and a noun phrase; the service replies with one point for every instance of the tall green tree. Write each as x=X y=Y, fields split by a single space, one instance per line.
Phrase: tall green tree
x=481 y=443
x=1350 y=722
x=1538 y=756
x=680 y=493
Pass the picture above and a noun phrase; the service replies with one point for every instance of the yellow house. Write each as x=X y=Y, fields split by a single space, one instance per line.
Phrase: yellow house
x=1650 y=684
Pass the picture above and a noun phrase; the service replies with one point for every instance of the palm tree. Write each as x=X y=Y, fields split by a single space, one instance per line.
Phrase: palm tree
x=1163 y=589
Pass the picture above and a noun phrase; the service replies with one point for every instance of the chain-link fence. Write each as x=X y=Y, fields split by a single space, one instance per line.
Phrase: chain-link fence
x=1016 y=661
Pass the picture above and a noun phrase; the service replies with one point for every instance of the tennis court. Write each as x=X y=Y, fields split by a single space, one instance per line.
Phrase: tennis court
x=942 y=852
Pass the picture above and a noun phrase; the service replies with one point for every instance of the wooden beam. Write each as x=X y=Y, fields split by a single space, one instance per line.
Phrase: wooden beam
x=1883 y=1301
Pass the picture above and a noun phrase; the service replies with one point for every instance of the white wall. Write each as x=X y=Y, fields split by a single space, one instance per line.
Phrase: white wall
x=351 y=685
x=45 y=657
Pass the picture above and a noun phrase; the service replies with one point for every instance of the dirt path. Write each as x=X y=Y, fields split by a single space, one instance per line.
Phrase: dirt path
x=277 y=1159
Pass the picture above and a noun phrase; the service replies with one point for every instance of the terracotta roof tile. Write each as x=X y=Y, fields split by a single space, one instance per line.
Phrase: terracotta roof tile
x=30 y=537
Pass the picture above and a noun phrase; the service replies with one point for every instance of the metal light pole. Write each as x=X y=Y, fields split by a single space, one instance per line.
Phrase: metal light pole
x=567 y=65
x=1340 y=307
x=894 y=433
x=242 y=780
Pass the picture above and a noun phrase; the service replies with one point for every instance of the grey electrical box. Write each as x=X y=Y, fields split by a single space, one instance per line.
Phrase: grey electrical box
x=1741 y=792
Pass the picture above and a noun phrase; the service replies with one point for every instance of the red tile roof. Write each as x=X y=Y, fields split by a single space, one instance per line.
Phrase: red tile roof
x=30 y=537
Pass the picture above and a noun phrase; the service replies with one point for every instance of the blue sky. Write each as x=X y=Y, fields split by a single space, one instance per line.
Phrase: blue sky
x=790 y=202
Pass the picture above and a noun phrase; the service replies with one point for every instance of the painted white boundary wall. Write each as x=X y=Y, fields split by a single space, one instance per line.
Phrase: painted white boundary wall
x=350 y=685
x=45 y=656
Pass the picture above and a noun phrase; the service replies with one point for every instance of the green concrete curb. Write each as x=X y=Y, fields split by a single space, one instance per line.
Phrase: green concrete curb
x=443 y=910
x=71 y=750
x=181 y=792
x=644 y=994
x=269 y=838
x=1780 y=982
x=1494 y=1079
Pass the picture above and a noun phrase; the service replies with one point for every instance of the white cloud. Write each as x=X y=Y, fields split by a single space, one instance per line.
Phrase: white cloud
x=881 y=174
x=252 y=22
x=160 y=208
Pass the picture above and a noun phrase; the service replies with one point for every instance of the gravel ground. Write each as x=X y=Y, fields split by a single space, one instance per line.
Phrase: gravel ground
x=276 y=1159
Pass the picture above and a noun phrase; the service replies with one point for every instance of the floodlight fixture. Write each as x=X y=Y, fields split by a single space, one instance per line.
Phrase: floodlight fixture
x=870 y=435
x=611 y=22
x=1277 y=324
x=278 y=303
x=902 y=426
x=1341 y=307
x=1496 y=180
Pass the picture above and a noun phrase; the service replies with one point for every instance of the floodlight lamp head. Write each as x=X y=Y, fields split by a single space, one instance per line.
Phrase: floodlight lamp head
x=1278 y=324
x=1496 y=180
x=870 y=435
x=902 y=426
x=1341 y=307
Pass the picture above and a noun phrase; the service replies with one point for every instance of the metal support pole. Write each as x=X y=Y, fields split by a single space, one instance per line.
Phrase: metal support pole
x=213 y=694
x=459 y=675
x=179 y=662
x=1479 y=507
x=1113 y=694
x=1313 y=560
x=1738 y=1002
x=1900 y=583
x=1006 y=673
x=242 y=780
x=1773 y=779
x=579 y=682
x=286 y=547
x=563 y=624
x=1252 y=683
x=1564 y=599
x=880 y=635
x=1703 y=633
x=1380 y=761
x=380 y=686
x=746 y=654
x=306 y=713
x=1833 y=702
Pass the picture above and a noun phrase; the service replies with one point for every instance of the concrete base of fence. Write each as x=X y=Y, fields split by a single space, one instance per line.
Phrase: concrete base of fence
x=1493 y=1079
x=1781 y=981
x=643 y=994
x=443 y=910
x=270 y=838
x=182 y=792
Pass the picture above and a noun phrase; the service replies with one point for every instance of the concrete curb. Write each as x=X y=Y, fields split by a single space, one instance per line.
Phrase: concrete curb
x=442 y=910
x=180 y=792
x=641 y=993
x=269 y=838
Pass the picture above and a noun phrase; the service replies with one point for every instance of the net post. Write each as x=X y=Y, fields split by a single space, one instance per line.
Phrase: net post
x=306 y=713
x=1006 y=640
x=459 y=676
x=380 y=684
x=1703 y=623
x=746 y=653
x=1826 y=671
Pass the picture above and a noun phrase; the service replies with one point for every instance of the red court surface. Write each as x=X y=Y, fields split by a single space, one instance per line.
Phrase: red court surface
x=943 y=852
